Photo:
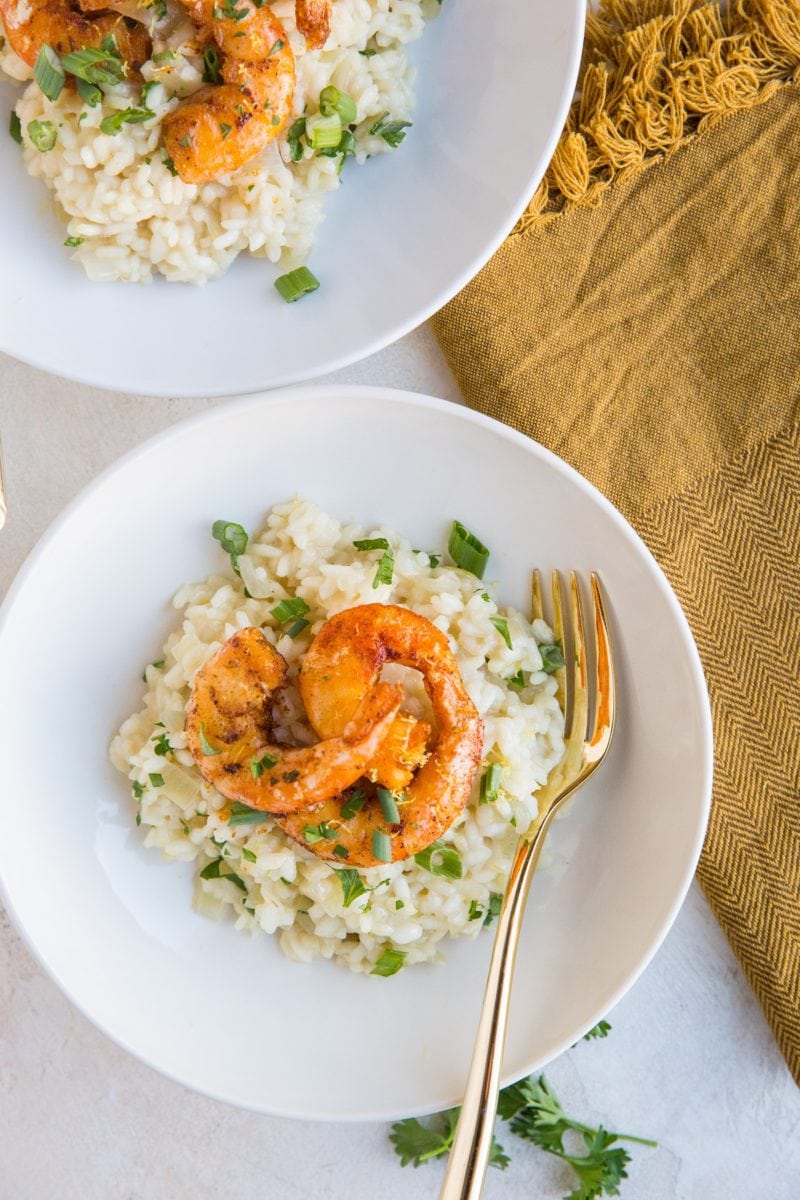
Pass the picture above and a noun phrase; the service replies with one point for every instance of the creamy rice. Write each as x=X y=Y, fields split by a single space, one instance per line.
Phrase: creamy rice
x=283 y=888
x=138 y=219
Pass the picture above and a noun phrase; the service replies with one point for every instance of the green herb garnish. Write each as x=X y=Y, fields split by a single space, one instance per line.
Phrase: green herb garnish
x=353 y=804
x=211 y=71
x=288 y=610
x=15 y=127
x=495 y=904
x=155 y=779
x=248 y=854
x=296 y=132
x=162 y=745
x=417 y=1143
x=352 y=885
x=385 y=570
x=205 y=745
x=74 y=241
x=243 y=814
x=319 y=833
x=601 y=1030
x=392 y=132
x=389 y=962
x=259 y=765
x=138 y=789
x=213 y=870
x=475 y=911
x=97 y=66
x=501 y=625
x=552 y=657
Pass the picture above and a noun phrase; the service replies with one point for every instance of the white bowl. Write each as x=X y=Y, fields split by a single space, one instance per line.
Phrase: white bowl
x=403 y=235
x=112 y=923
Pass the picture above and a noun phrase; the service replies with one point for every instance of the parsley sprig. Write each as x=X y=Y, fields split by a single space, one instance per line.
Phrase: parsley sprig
x=536 y=1114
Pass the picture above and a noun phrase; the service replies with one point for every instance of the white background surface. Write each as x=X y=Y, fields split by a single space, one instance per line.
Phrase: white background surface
x=690 y=1060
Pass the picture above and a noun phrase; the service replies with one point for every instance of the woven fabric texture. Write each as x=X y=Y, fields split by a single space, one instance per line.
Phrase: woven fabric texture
x=643 y=321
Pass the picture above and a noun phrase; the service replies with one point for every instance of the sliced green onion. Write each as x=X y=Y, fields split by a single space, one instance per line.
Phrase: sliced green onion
x=287 y=610
x=126 y=116
x=156 y=779
x=295 y=630
x=389 y=962
x=475 y=911
x=49 y=73
x=211 y=71
x=552 y=657
x=341 y=852
x=248 y=854
x=381 y=846
x=467 y=551
x=226 y=131
x=97 y=66
x=392 y=132
x=331 y=101
x=398 y=904
x=296 y=283
x=243 y=814
x=164 y=56
x=353 y=804
x=43 y=135
x=388 y=806
x=371 y=544
x=15 y=127
x=205 y=745
x=276 y=47
x=501 y=625
x=323 y=132
x=517 y=680
x=168 y=163
x=490 y=783
x=440 y=860
x=352 y=885
x=90 y=94
x=231 y=536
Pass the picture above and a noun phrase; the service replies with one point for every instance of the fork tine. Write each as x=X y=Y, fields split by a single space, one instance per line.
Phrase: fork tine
x=580 y=697
x=537 y=612
x=605 y=683
x=558 y=633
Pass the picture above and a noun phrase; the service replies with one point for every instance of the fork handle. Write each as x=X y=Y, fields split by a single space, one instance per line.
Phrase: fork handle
x=469 y=1156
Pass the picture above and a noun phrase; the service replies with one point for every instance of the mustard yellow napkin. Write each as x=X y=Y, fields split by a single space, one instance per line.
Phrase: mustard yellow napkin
x=643 y=321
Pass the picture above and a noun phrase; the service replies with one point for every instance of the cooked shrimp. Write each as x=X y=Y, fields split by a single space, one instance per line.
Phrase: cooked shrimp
x=31 y=24
x=344 y=661
x=222 y=126
x=313 y=19
x=228 y=732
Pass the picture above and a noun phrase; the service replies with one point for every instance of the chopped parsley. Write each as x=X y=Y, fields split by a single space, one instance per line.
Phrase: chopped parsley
x=389 y=962
x=392 y=132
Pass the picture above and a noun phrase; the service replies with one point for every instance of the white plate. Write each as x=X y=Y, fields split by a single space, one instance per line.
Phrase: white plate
x=403 y=235
x=112 y=923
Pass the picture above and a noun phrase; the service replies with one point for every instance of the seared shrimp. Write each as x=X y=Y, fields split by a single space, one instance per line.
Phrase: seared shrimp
x=31 y=24
x=344 y=661
x=313 y=19
x=222 y=126
x=228 y=732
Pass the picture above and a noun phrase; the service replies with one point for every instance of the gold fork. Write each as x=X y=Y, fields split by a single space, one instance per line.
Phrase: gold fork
x=590 y=712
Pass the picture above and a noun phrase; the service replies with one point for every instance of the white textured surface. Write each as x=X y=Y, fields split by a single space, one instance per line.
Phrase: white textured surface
x=690 y=1060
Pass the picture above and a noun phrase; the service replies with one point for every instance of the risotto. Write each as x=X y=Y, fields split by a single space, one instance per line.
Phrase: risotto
x=373 y=920
x=128 y=213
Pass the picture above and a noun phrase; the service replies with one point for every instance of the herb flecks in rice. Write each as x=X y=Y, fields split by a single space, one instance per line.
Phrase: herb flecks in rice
x=287 y=890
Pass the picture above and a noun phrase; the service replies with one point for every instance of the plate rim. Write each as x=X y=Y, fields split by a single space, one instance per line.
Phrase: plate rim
x=401 y=397
x=389 y=337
